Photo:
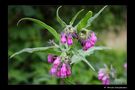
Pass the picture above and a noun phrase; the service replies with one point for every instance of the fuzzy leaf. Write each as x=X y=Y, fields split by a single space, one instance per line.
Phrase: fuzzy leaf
x=91 y=50
x=75 y=58
x=31 y=50
x=83 y=21
x=80 y=55
x=49 y=28
x=94 y=17
x=74 y=18
x=59 y=19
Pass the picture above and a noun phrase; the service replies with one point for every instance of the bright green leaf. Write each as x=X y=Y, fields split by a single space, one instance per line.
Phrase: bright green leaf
x=59 y=19
x=31 y=50
x=49 y=28
x=74 y=18
x=83 y=21
x=94 y=17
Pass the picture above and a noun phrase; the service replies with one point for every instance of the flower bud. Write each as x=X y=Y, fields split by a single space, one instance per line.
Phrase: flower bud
x=75 y=35
x=63 y=38
x=58 y=74
x=69 y=40
x=57 y=62
x=53 y=70
x=68 y=70
x=63 y=71
x=105 y=80
x=93 y=38
x=103 y=76
x=50 y=58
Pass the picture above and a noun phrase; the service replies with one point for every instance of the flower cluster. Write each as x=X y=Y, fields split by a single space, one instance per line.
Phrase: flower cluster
x=89 y=41
x=66 y=38
x=104 y=76
x=68 y=35
x=59 y=69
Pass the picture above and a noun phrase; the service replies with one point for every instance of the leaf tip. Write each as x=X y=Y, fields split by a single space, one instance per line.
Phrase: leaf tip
x=20 y=21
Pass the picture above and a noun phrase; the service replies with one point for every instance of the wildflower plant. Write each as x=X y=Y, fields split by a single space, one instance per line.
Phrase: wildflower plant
x=73 y=44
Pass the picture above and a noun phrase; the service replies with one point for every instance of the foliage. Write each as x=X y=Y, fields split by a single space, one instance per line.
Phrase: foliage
x=33 y=68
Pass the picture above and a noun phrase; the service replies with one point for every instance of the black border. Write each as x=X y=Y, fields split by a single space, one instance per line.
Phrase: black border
x=4 y=42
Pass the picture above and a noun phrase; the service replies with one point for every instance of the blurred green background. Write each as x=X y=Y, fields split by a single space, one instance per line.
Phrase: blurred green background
x=26 y=68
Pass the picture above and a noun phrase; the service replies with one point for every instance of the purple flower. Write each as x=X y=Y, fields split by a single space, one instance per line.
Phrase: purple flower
x=103 y=76
x=59 y=69
x=69 y=40
x=85 y=49
x=58 y=74
x=53 y=70
x=57 y=62
x=63 y=38
x=50 y=58
x=82 y=42
x=75 y=35
x=100 y=76
x=105 y=80
x=87 y=45
x=93 y=37
x=68 y=70
x=63 y=71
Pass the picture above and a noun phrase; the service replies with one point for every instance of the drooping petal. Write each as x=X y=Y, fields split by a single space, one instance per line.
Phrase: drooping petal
x=58 y=74
x=100 y=76
x=106 y=81
x=75 y=35
x=68 y=70
x=69 y=40
x=57 y=62
x=53 y=70
x=51 y=58
x=63 y=38
x=63 y=71
x=93 y=37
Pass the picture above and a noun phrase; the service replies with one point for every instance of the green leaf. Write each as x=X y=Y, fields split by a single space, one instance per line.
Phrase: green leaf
x=88 y=64
x=83 y=21
x=49 y=28
x=75 y=58
x=91 y=50
x=79 y=57
x=74 y=18
x=59 y=19
x=31 y=50
x=94 y=17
